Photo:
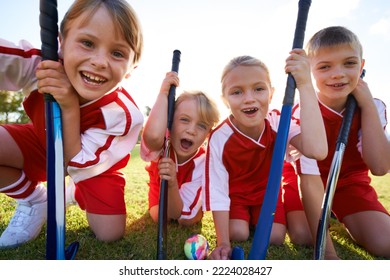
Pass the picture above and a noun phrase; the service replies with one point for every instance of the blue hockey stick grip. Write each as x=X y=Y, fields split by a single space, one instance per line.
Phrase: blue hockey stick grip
x=237 y=253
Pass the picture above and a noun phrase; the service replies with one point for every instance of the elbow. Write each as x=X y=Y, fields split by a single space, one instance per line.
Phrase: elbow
x=316 y=153
x=152 y=141
x=379 y=171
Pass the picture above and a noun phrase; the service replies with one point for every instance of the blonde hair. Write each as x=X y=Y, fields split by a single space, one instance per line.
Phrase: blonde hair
x=333 y=36
x=207 y=108
x=245 y=60
x=121 y=13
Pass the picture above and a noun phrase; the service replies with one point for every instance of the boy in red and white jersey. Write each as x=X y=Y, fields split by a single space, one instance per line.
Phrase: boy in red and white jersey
x=336 y=58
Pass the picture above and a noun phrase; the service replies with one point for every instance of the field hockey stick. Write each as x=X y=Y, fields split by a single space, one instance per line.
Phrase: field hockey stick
x=163 y=203
x=333 y=176
x=55 y=239
x=262 y=234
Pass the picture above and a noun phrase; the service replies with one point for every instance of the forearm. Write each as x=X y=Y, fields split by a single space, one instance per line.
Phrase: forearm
x=313 y=135
x=156 y=125
x=175 y=203
x=71 y=133
x=221 y=223
x=375 y=145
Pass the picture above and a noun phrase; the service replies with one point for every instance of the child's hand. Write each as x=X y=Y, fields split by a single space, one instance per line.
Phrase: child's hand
x=167 y=171
x=53 y=79
x=220 y=253
x=171 y=78
x=299 y=66
x=362 y=93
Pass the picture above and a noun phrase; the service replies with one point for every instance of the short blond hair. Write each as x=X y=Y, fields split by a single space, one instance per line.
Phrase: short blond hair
x=121 y=13
x=333 y=36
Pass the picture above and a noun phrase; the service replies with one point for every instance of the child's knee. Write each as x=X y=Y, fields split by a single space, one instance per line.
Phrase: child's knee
x=109 y=235
x=300 y=236
x=107 y=228
x=278 y=234
x=239 y=233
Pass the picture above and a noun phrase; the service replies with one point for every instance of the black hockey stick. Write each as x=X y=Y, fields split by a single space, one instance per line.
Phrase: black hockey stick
x=55 y=239
x=264 y=225
x=334 y=171
x=163 y=203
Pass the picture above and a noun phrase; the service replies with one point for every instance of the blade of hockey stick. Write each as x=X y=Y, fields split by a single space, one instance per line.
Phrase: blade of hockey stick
x=55 y=240
x=162 y=207
x=263 y=229
x=333 y=176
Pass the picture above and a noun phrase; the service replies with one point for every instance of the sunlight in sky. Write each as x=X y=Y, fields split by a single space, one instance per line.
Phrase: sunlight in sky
x=210 y=33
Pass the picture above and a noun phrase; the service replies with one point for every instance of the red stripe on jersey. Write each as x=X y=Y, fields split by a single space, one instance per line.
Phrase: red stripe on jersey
x=19 y=52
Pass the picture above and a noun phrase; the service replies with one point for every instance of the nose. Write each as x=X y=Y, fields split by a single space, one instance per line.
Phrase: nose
x=99 y=60
x=337 y=73
x=191 y=129
x=249 y=96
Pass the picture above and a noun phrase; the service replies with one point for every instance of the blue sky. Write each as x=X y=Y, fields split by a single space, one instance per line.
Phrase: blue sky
x=211 y=32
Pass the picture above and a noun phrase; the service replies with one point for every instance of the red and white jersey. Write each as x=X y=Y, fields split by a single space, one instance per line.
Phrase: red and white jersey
x=189 y=178
x=237 y=167
x=109 y=126
x=353 y=168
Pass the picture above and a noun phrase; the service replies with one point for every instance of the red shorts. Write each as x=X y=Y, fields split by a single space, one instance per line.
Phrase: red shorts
x=103 y=194
x=251 y=213
x=291 y=198
x=355 y=198
x=348 y=199
x=32 y=148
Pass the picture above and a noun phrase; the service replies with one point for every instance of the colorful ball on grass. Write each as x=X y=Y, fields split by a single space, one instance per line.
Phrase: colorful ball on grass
x=196 y=247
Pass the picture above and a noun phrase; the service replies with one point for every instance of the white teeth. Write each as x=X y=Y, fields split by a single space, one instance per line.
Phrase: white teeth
x=249 y=110
x=93 y=78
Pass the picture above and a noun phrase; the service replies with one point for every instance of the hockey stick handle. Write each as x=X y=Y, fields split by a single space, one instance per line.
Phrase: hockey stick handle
x=299 y=36
x=172 y=89
x=48 y=20
x=331 y=184
x=163 y=198
x=348 y=115
x=264 y=225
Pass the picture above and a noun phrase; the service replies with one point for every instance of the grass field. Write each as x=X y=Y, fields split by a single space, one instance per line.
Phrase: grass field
x=140 y=240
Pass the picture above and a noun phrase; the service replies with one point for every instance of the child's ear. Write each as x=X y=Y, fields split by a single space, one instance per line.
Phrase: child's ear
x=224 y=100
x=271 y=94
x=362 y=65
x=60 y=39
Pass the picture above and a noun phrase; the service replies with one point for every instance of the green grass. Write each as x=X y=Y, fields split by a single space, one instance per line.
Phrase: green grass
x=140 y=240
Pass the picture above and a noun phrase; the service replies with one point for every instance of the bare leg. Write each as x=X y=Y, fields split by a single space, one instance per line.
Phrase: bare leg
x=371 y=230
x=107 y=228
x=298 y=228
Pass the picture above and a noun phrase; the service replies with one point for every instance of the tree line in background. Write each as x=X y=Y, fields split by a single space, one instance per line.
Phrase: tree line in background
x=11 y=109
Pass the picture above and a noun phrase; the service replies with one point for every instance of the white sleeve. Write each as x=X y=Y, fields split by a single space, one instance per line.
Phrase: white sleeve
x=307 y=166
x=381 y=107
x=17 y=66
x=148 y=155
x=217 y=177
